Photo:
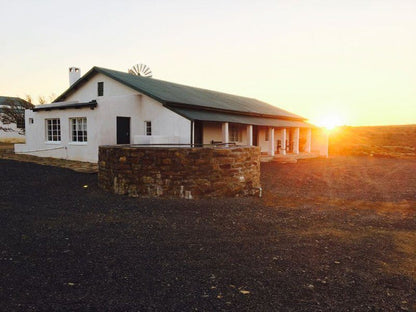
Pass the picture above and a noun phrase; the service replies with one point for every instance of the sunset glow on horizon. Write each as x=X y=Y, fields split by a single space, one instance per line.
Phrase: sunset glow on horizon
x=332 y=62
x=330 y=122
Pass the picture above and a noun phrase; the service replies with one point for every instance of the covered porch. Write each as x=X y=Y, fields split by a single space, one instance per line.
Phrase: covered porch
x=271 y=140
x=274 y=135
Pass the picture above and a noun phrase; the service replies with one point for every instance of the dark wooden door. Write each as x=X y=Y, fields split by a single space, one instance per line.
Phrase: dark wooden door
x=255 y=135
x=123 y=130
x=198 y=128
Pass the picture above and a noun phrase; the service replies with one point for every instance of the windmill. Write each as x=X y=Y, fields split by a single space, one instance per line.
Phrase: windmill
x=141 y=70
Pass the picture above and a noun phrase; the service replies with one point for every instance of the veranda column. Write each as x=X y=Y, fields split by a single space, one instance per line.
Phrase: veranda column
x=296 y=141
x=308 y=140
x=225 y=137
x=283 y=151
x=249 y=135
x=271 y=141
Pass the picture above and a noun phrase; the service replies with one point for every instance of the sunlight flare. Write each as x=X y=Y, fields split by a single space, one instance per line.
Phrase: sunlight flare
x=330 y=121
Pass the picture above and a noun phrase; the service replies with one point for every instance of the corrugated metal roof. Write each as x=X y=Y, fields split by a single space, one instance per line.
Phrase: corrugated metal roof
x=204 y=115
x=168 y=93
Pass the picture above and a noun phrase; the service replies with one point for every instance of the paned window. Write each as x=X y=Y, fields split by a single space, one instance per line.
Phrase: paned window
x=78 y=129
x=148 y=127
x=234 y=133
x=100 y=88
x=53 y=130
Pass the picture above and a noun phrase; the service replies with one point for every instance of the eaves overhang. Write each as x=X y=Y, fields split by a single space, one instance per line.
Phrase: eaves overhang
x=65 y=105
x=216 y=116
x=173 y=105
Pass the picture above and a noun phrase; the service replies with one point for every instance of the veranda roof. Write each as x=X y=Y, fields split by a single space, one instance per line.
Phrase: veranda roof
x=202 y=115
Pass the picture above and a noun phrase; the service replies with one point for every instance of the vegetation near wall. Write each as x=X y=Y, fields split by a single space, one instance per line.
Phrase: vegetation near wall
x=180 y=172
x=380 y=141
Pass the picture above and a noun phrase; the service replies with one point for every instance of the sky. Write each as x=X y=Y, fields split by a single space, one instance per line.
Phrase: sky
x=347 y=62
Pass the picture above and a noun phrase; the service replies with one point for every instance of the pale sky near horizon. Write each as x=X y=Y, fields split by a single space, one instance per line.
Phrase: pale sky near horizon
x=354 y=60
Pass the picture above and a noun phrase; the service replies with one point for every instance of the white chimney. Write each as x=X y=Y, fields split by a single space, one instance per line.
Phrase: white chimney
x=74 y=75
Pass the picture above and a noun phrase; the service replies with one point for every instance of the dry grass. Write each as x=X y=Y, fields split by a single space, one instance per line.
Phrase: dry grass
x=382 y=141
x=7 y=141
x=6 y=146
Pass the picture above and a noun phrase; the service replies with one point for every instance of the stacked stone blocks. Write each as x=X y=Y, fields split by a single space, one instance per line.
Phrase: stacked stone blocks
x=179 y=171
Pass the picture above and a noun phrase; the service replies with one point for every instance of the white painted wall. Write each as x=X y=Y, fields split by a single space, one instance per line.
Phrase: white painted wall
x=244 y=138
x=319 y=142
x=118 y=100
x=305 y=139
x=155 y=139
x=101 y=123
x=88 y=91
x=264 y=145
x=36 y=137
x=164 y=121
x=279 y=134
x=212 y=131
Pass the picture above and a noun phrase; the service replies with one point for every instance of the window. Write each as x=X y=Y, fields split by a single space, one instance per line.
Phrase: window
x=148 y=127
x=266 y=134
x=53 y=130
x=100 y=88
x=31 y=120
x=20 y=123
x=78 y=129
x=234 y=133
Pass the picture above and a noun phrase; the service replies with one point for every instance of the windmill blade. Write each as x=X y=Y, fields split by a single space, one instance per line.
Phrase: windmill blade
x=141 y=70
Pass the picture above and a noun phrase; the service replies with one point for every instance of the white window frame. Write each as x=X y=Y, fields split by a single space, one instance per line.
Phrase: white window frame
x=53 y=131
x=148 y=127
x=78 y=132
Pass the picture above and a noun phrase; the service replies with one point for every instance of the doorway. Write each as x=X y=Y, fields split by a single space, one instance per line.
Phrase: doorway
x=255 y=135
x=198 y=133
x=123 y=130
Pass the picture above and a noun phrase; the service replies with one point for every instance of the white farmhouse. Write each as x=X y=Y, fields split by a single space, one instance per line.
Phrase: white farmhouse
x=11 y=132
x=107 y=107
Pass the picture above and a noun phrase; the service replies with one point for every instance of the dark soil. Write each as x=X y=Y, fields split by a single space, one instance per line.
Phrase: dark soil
x=334 y=235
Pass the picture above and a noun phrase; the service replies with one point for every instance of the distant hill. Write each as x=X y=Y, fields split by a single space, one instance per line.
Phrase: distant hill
x=377 y=141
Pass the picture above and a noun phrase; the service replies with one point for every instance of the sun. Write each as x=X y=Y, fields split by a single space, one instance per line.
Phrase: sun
x=330 y=121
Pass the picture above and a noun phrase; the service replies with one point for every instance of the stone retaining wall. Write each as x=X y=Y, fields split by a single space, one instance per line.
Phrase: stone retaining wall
x=180 y=172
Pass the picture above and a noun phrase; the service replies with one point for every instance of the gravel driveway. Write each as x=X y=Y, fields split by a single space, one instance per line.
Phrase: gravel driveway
x=65 y=245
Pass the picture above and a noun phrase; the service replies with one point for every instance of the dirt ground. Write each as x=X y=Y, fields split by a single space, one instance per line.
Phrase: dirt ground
x=328 y=235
